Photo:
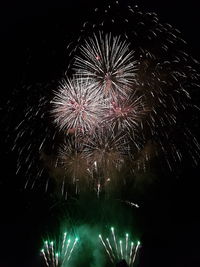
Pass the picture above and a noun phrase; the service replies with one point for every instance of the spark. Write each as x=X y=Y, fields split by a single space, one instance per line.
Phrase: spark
x=131 y=204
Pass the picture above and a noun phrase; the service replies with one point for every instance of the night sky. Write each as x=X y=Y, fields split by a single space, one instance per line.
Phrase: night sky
x=33 y=35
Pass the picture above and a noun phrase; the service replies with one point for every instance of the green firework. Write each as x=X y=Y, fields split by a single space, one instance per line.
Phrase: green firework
x=120 y=249
x=58 y=254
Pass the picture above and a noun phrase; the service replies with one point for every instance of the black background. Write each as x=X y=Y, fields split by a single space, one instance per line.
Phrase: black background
x=32 y=36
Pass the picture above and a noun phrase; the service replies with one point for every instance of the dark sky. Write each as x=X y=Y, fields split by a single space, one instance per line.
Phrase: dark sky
x=33 y=35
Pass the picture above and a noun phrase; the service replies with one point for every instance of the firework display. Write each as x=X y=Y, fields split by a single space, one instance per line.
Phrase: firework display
x=122 y=107
x=120 y=250
x=58 y=255
x=131 y=86
x=134 y=116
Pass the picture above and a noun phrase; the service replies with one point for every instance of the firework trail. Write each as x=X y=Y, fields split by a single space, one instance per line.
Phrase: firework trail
x=58 y=255
x=131 y=78
x=120 y=250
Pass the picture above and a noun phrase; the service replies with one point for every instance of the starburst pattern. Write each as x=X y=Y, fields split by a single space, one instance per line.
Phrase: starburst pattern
x=126 y=113
x=77 y=106
x=109 y=62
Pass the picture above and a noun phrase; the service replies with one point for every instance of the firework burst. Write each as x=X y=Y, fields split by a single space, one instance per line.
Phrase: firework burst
x=77 y=106
x=59 y=255
x=125 y=114
x=71 y=160
x=120 y=250
x=93 y=160
x=109 y=62
x=106 y=153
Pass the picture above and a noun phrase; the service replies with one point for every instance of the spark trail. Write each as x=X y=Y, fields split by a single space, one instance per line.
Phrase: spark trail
x=119 y=250
x=59 y=254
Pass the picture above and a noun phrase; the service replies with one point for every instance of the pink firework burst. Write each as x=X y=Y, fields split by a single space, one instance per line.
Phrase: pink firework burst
x=77 y=106
x=126 y=114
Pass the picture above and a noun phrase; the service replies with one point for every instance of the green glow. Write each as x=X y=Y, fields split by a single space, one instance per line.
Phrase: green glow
x=138 y=242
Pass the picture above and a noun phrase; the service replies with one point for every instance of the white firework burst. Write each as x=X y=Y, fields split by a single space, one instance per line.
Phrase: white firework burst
x=109 y=61
x=77 y=106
